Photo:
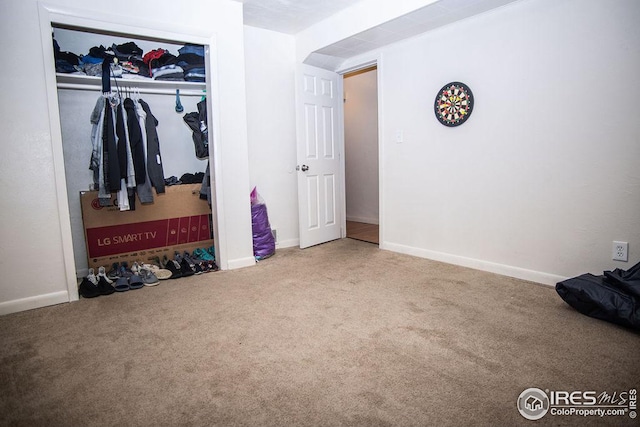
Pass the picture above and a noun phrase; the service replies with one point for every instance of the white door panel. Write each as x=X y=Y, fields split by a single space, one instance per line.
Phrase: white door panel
x=318 y=109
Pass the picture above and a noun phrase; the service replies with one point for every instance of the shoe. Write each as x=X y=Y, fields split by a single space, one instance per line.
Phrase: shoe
x=195 y=266
x=203 y=254
x=186 y=269
x=135 y=268
x=113 y=273
x=88 y=289
x=135 y=282
x=124 y=271
x=211 y=251
x=148 y=278
x=122 y=284
x=160 y=273
x=104 y=287
x=102 y=273
x=92 y=277
x=205 y=266
x=173 y=268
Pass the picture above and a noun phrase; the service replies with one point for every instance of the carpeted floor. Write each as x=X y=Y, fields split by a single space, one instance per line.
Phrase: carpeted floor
x=336 y=335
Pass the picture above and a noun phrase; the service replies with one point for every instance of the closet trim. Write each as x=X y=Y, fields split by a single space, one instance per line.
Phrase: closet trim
x=50 y=16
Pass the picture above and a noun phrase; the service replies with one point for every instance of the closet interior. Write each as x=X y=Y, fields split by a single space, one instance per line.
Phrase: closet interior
x=173 y=90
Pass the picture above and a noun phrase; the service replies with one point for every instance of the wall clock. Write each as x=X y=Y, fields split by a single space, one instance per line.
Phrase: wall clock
x=454 y=104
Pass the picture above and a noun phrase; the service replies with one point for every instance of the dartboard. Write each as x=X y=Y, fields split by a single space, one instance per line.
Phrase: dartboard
x=454 y=104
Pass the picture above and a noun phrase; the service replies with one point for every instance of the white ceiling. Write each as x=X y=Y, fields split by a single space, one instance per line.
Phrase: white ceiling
x=293 y=16
x=417 y=22
x=290 y=16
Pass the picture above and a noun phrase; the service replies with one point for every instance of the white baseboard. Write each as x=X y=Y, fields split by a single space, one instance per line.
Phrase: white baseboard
x=287 y=243
x=492 y=267
x=30 y=303
x=363 y=219
x=241 y=263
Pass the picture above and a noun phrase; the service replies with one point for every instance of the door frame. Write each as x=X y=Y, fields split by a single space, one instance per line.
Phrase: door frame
x=49 y=15
x=349 y=66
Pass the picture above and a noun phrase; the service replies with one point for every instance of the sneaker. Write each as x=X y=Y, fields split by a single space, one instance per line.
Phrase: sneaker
x=87 y=289
x=92 y=277
x=160 y=273
x=211 y=251
x=103 y=274
x=148 y=278
x=113 y=273
x=135 y=268
x=173 y=268
x=104 y=287
x=186 y=269
x=124 y=271
x=195 y=265
x=203 y=255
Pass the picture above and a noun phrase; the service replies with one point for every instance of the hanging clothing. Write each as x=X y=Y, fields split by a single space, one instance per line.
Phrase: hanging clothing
x=97 y=164
x=144 y=190
x=125 y=156
x=154 y=159
x=198 y=124
x=135 y=141
x=110 y=148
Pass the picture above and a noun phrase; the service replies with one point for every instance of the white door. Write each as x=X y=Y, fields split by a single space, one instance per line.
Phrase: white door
x=318 y=103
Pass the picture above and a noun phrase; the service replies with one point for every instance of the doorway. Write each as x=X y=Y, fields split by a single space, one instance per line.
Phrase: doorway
x=361 y=154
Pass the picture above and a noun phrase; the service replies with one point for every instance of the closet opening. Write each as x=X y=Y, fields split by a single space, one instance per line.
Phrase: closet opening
x=361 y=154
x=74 y=94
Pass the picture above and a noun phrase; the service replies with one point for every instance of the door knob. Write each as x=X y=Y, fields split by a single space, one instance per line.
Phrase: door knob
x=304 y=168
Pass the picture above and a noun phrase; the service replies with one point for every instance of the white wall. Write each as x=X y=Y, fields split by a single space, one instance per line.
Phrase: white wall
x=30 y=229
x=270 y=66
x=544 y=174
x=361 y=146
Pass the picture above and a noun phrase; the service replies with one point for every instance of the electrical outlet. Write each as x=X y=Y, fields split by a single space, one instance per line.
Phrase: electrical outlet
x=620 y=251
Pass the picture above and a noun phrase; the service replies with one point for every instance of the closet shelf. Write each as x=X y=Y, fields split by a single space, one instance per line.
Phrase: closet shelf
x=78 y=82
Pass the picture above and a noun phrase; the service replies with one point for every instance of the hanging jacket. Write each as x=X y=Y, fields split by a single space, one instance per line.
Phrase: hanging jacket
x=155 y=170
x=198 y=124
x=110 y=150
x=129 y=174
x=96 y=163
x=121 y=142
x=144 y=190
x=135 y=142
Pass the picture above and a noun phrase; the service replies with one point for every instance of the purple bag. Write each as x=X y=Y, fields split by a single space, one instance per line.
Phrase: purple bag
x=264 y=245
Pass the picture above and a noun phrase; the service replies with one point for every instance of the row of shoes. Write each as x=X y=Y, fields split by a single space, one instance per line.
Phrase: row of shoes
x=121 y=278
x=184 y=265
x=95 y=285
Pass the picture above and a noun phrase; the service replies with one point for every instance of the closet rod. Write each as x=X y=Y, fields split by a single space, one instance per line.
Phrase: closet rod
x=183 y=92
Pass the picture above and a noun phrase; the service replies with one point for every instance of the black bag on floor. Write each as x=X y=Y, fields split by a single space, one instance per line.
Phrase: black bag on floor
x=613 y=297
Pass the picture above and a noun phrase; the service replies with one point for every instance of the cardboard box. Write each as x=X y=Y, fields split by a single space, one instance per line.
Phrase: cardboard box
x=176 y=221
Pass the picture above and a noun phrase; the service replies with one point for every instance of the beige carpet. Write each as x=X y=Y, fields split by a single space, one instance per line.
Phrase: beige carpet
x=336 y=335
